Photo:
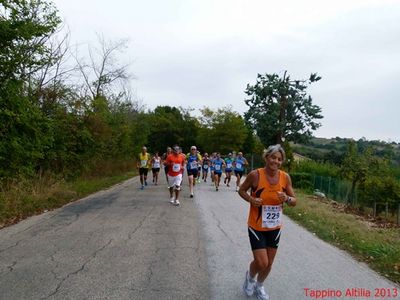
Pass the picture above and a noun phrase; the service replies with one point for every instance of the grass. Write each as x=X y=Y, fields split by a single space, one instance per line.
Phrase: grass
x=378 y=247
x=30 y=197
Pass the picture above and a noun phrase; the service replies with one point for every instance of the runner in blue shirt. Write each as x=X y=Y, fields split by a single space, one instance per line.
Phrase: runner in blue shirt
x=206 y=163
x=228 y=169
x=193 y=162
x=239 y=164
x=218 y=164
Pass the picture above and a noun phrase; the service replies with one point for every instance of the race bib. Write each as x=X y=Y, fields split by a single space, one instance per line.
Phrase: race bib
x=229 y=166
x=217 y=167
x=143 y=163
x=176 y=167
x=205 y=167
x=238 y=165
x=271 y=216
x=156 y=164
x=193 y=165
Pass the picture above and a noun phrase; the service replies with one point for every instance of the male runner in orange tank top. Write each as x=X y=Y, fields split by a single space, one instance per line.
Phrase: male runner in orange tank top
x=270 y=189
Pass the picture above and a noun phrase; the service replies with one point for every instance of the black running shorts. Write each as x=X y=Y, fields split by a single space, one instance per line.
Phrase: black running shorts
x=240 y=173
x=193 y=172
x=264 y=239
x=143 y=171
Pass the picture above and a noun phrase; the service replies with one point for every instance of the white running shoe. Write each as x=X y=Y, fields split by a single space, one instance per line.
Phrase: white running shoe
x=176 y=203
x=172 y=200
x=248 y=285
x=260 y=292
x=237 y=189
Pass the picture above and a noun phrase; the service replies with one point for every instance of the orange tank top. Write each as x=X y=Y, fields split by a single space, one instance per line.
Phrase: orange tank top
x=268 y=216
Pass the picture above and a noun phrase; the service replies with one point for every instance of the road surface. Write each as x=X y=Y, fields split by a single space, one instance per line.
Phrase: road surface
x=127 y=243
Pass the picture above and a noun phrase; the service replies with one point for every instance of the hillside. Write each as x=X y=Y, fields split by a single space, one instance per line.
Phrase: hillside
x=333 y=149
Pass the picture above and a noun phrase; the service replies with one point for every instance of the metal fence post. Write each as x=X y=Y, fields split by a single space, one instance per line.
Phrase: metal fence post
x=386 y=210
x=374 y=210
x=398 y=213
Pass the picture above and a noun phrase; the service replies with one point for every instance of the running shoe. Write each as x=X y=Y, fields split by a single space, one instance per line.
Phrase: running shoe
x=216 y=189
x=142 y=187
x=191 y=195
x=237 y=189
x=260 y=292
x=172 y=200
x=145 y=183
x=248 y=285
x=228 y=185
x=176 y=202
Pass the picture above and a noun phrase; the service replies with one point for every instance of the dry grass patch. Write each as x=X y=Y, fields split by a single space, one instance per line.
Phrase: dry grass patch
x=368 y=242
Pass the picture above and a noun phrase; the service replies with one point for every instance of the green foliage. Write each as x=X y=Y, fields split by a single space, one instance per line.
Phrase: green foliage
x=169 y=126
x=280 y=109
x=316 y=168
x=223 y=130
x=302 y=181
x=24 y=30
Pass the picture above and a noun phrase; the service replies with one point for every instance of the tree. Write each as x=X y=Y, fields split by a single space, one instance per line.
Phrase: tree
x=169 y=126
x=25 y=28
x=280 y=109
x=223 y=130
x=355 y=166
x=102 y=74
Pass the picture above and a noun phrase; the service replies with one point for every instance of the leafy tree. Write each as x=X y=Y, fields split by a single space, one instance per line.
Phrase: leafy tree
x=355 y=166
x=25 y=28
x=280 y=109
x=223 y=130
x=25 y=133
x=171 y=125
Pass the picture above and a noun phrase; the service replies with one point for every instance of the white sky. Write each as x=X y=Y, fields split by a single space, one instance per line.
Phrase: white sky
x=203 y=53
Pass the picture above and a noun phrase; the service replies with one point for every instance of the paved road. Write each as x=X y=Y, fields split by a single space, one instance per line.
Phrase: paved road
x=125 y=243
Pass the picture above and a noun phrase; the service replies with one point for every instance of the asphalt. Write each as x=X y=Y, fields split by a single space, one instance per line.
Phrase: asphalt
x=127 y=243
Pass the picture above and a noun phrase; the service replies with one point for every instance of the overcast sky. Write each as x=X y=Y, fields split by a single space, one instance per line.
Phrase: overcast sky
x=203 y=53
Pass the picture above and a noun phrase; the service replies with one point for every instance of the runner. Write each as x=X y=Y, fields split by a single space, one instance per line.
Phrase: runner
x=218 y=163
x=239 y=164
x=193 y=161
x=212 y=158
x=164 y=157
x=205 y=166
x=155 y=167
x=228 y=169
x=199 y=167
x=143 y=165
x=175 y=163
x=270 y=188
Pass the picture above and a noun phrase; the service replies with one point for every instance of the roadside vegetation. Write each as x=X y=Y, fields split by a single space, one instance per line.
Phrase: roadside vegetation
x=377 y=244
x=71 y=125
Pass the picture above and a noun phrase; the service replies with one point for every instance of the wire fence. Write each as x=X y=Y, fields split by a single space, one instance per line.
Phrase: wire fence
x=344 y=192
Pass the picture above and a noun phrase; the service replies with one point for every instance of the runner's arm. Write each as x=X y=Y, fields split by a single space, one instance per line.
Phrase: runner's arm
x=248 y=183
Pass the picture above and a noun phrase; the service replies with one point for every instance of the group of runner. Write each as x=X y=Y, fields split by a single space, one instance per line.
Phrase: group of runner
x=198 y=167
x=266 y=189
